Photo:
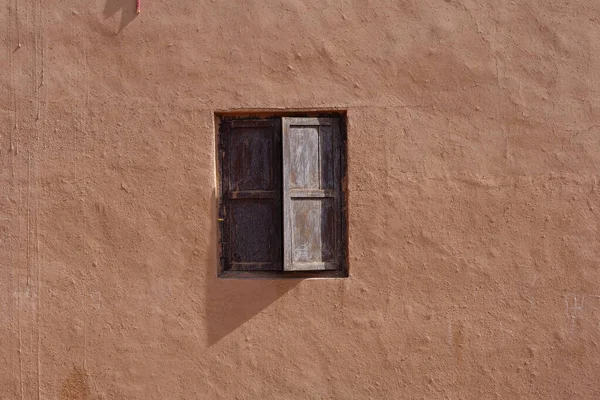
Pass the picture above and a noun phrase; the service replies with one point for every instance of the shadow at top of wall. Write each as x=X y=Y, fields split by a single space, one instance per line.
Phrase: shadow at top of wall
x=127 y=8
x=229 y=303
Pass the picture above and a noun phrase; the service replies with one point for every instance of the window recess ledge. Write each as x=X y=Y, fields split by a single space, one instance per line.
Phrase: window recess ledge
x=272 y=275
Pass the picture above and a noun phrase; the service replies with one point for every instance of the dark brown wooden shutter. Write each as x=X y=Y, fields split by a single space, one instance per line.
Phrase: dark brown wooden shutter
x=312 y=194
x=251 y=206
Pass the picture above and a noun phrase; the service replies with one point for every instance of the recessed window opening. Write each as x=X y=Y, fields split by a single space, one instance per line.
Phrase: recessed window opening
x=282 y=200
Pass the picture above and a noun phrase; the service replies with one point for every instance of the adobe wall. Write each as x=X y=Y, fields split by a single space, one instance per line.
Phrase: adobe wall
x=473 y=159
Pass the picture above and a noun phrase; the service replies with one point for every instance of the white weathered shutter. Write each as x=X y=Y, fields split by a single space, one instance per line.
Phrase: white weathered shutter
x=312 y=194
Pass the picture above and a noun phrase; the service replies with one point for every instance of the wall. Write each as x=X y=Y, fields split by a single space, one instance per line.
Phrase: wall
x=473 y=152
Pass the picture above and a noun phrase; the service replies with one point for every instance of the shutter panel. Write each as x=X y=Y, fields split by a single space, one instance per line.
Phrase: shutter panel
x=312 y=195
x=251 y=206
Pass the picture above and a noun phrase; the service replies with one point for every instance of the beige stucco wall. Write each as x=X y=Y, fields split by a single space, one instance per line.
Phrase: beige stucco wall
x=474 y=154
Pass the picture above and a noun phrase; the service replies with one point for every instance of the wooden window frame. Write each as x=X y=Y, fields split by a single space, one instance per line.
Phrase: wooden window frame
x=343 y=271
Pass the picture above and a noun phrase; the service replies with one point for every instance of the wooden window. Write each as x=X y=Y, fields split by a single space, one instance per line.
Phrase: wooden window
x=282 y=205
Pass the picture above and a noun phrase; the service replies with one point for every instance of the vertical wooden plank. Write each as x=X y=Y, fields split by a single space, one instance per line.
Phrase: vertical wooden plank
x=312 y=195
x=287 y=206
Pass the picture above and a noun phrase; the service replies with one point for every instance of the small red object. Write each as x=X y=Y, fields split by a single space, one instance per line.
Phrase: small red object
x=137 y=6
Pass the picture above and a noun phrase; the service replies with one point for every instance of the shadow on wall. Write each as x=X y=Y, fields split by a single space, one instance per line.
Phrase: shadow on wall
x=127 y=8
x=232 y=302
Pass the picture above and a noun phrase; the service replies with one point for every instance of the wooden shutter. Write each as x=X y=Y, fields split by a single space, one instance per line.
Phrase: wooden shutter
x=312 y=202
x=251 y=206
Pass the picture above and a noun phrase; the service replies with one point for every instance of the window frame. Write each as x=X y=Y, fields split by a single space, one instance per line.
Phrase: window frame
x=343 y=271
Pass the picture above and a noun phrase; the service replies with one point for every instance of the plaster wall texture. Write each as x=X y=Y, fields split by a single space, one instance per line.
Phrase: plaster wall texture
x=474 y=200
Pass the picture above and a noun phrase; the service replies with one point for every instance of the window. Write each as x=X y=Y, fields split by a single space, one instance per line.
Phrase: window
x=282 y=209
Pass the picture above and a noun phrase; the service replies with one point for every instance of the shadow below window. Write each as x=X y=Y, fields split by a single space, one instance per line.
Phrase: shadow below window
x=229 y=303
